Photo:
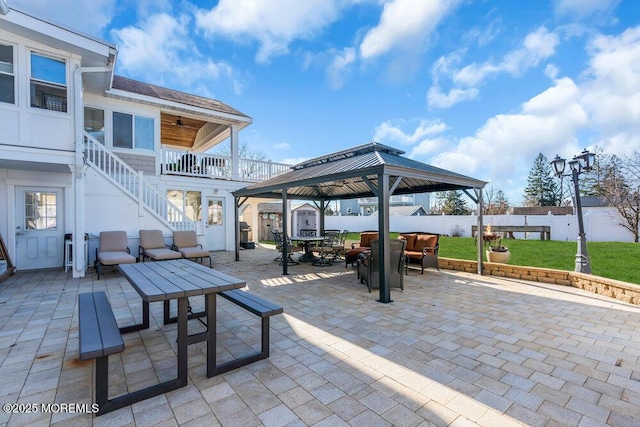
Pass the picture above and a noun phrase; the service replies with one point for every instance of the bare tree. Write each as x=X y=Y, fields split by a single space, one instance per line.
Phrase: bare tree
x=495 y=202
x=621 y=189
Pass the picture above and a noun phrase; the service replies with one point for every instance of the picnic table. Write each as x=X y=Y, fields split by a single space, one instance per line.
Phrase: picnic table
x=544 y=230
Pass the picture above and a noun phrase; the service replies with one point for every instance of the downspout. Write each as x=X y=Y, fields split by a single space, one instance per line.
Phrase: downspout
x=4 y=9
x=79 y=168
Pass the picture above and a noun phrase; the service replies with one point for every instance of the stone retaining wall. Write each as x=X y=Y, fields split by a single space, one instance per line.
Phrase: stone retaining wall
x=622 y=291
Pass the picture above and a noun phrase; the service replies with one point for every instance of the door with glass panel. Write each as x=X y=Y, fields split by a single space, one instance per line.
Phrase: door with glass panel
x=39 y=228
x=215 y=224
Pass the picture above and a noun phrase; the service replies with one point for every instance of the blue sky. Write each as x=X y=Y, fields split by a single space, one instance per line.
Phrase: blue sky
x=479 y=87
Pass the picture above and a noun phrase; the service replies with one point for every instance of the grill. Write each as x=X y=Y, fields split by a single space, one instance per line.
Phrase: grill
x=244 y=236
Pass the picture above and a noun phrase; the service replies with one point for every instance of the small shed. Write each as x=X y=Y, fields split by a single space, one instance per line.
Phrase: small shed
x=304 y=217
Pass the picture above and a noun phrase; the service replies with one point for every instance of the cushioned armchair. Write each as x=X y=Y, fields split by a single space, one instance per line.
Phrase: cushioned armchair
x=368 y=265
x=364 y=245
x=152 y=246
x=187 y=244
x=112 y=250
x=422 y=248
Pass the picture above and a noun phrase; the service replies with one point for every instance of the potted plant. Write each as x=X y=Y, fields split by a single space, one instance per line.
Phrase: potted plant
x=498 y=253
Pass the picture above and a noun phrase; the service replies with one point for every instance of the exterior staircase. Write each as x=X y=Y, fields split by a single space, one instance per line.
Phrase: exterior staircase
x=133 y=184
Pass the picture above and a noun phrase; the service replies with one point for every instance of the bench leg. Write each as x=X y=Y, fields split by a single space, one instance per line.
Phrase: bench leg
x=102 y=381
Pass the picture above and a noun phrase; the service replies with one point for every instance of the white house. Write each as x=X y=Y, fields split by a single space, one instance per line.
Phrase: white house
x=83 y=150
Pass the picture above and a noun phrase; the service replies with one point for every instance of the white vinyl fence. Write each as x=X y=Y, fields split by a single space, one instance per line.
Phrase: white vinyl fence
x=600 y=224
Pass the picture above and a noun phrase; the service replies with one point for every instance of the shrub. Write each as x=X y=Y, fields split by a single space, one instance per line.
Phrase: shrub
x=457 y=231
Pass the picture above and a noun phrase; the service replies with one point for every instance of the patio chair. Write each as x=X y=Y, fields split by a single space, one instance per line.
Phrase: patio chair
x=422 y=248
x=187 y=244
x=277 y=237
x=152 y=246
x=368 y=265
x=326 y=250
x=364 y=245
x=339 y=248
x=112 y=250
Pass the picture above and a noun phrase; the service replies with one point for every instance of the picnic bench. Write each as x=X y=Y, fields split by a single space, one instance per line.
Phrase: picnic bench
x=99 y=338
x=544 y=230
x=260 y=307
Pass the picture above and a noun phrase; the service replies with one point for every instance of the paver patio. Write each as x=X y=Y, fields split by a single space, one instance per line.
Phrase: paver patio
x=454 y=349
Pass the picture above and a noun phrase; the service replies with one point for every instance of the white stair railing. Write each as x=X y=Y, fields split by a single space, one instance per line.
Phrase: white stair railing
x=132 y=183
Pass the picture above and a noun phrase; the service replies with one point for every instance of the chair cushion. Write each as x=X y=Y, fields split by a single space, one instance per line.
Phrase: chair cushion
x=410 y=238
x=366 y=238
x=113 y=241
x=152 y=239
x=193 y=252
x=425 y=240
x=160 y=254
x=415 y=255
x=116 y=257
x=185 y=239
x=353 y=253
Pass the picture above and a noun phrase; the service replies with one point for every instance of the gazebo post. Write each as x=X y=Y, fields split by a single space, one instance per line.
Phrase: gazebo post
x=480 y=239
x=236 y=214
x=384 y=254
x=322 y=208
x=285 y=234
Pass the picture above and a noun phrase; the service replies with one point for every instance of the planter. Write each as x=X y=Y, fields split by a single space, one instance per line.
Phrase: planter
x=499 y=256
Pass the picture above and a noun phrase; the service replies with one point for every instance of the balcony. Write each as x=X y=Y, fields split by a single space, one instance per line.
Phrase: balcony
x=202 y=165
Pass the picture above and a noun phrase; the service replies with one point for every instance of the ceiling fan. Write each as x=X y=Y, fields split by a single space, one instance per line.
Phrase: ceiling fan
x=181 y=124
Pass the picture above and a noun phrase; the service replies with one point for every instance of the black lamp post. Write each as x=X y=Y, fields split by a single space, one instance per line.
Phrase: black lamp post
x=579 y=164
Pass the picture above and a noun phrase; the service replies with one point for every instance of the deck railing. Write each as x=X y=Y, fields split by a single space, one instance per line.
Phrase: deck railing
x=132 y=183
x=186 y=163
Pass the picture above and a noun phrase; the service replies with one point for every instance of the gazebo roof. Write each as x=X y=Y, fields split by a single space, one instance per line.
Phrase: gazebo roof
x=344 y=175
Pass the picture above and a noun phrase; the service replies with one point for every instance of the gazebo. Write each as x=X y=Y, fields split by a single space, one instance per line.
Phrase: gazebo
x=369 y=170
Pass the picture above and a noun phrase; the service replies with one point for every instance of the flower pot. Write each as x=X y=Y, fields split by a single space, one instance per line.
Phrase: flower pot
x=498 y=256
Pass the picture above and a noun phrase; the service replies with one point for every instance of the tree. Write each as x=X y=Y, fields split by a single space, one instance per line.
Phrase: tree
x=495 y=202
x=451 y=203
x=249 y=167
x=542 y=189
x=621 y=189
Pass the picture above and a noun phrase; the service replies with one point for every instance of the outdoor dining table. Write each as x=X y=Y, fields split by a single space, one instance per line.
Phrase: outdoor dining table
x=179 y=280
x=306 y=241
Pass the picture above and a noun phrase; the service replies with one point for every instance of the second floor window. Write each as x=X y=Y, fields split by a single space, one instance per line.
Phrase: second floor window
x=48 y=83
x=131 y=131
x=7 y=77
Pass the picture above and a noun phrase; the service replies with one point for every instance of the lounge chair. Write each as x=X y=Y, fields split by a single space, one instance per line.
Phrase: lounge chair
x=112 y=250
x=152 y=246
x=187 y=244
x=368 y=265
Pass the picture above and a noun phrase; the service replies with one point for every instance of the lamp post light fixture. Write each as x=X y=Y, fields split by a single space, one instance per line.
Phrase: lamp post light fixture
x=581 y=163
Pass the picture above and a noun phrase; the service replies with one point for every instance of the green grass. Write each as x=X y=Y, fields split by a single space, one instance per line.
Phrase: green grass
x=614 y=260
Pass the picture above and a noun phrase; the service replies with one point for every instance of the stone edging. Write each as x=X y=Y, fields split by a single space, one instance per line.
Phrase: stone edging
x=617 y=289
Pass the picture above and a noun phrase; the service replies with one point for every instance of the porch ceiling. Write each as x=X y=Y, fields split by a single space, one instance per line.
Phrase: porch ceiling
x=172 y=134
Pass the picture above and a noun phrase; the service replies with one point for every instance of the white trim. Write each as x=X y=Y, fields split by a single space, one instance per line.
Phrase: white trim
x=38 y=155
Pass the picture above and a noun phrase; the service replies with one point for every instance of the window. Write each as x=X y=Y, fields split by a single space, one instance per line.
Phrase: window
x=214 y=212
x=94 y=123
x=40 y=210
x=189 y=201
x=7 y=77
x=48 y=83
x=130 y=131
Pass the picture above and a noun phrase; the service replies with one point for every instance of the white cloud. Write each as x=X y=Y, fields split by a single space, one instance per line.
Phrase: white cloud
x=90 y=17
x=438 y=99
x=340 y=66
x=404 y=24
x=160 y=49
x=583 y=8
x=421 y=138
x=282 y=146
x=274 y=24
x=536 y=47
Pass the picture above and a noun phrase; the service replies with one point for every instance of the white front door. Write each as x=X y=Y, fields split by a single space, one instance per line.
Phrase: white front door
x=215 y=224
x=39 y=228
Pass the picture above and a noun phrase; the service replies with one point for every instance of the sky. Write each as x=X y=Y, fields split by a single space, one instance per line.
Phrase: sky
x=479 y=87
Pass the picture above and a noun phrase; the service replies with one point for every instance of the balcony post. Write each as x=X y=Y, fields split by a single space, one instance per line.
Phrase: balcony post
x=235 y=150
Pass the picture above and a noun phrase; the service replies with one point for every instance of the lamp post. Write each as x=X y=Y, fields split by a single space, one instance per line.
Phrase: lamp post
x=579 y=164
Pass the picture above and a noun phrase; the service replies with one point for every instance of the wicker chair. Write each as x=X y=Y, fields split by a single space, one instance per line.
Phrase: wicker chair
x=368 y=265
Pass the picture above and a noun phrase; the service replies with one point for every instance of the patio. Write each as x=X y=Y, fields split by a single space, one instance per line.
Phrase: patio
x=454 y=349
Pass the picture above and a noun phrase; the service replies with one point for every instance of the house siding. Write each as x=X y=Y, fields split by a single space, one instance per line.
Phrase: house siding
x=146 y=164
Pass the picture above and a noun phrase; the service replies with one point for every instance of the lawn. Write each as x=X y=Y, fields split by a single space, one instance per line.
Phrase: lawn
x=615 y=260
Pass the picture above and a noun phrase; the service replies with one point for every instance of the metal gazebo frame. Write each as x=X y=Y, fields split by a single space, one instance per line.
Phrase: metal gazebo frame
x=369 y=170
